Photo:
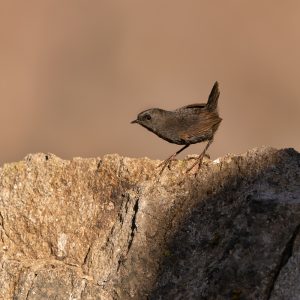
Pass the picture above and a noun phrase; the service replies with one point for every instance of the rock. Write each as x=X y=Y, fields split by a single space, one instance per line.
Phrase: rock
x=111 y=228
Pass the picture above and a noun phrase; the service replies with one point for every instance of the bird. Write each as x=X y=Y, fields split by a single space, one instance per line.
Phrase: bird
x=187 y=125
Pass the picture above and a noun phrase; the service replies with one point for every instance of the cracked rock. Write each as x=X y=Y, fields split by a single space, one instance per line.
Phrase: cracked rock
x=112 y=228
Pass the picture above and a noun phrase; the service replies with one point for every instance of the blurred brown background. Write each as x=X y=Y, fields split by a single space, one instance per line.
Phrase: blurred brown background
x=73 y=74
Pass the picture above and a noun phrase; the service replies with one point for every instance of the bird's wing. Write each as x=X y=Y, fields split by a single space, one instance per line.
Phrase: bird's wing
x=205 y=125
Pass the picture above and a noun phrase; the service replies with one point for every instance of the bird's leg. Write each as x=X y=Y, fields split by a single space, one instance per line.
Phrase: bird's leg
x=200 y=158
x=166 y=163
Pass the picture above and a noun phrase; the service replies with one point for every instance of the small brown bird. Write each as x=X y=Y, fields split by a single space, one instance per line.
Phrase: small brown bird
x=187 y=125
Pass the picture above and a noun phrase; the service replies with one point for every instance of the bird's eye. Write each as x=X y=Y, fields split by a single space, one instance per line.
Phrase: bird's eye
x=147 y=117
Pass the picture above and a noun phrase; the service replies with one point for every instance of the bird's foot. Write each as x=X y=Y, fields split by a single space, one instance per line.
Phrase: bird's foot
x=197 y=157
x=166 y=163
x=197 y=162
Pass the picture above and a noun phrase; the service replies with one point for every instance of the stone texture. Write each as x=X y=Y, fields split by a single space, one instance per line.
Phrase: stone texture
x=111 y=228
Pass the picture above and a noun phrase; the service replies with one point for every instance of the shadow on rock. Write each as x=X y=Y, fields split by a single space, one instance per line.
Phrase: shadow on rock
x=238 y=239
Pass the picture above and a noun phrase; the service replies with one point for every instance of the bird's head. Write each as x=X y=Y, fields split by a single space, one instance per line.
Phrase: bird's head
x=150 y=118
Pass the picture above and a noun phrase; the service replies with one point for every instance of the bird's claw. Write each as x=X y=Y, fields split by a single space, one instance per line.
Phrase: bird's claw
x=166 y=163
x=197 y=157
x=197 y=162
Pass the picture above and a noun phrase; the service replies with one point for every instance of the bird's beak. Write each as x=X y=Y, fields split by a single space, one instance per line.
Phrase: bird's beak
x=135 y=121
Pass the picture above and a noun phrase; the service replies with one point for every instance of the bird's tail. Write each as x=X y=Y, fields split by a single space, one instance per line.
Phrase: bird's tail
x=212 y=101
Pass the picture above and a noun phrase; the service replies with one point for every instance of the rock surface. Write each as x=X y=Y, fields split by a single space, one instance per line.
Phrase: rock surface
x=111 y=228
